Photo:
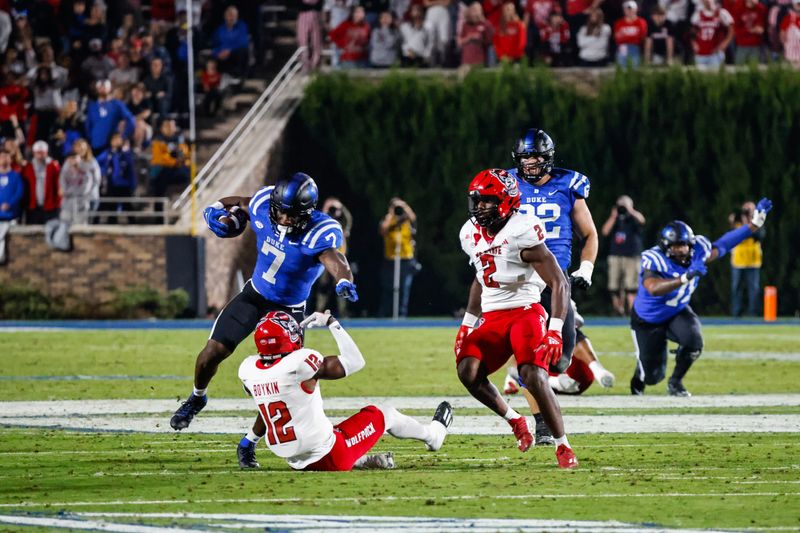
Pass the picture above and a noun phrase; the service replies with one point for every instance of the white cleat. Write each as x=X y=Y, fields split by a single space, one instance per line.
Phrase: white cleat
x=606 y=379
x=378 y=461
x=565 y=384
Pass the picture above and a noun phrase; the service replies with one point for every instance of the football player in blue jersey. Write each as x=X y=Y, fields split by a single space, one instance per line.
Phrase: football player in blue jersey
x=670 y=274
x=558 y=197
x=296 y=242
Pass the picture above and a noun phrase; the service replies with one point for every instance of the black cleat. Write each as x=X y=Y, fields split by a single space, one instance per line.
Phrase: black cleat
x=186 y=412
x=543 y=435
x=676 y=388
x=442 y=419
x=247 y=456
x=637 y=386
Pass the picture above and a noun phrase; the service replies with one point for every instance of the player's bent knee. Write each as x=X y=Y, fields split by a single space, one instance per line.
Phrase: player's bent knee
x=468 y=371
x=214 y=353
x=654 y=378
x=389 y=415
x=534 y=377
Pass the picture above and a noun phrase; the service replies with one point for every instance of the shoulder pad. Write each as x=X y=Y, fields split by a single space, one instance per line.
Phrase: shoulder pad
x=323 y=233
x=654 y=260
x=259 y=203
x=579 y=185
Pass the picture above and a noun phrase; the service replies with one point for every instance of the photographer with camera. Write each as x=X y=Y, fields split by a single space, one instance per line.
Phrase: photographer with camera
x=326 y=284
x=745 y=263
x=397 y=228
x=624 y=227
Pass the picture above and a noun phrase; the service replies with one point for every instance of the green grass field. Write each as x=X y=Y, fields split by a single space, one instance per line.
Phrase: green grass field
x=700 y=480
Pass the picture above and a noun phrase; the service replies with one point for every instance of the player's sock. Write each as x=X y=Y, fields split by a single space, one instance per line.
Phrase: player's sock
x=404 y=427
x=199 y=392
x=597 y=369
x=538 y=418
x=511 y=414
x=684 y=358
x=562 y=440
x=249 y=439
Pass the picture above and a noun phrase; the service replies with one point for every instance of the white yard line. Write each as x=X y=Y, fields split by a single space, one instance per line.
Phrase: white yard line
x=731 y=355
x=103 y=407
x=316 y=523
x=462 y=425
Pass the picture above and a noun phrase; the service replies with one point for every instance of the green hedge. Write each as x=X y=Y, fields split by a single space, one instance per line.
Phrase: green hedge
x=683 y=144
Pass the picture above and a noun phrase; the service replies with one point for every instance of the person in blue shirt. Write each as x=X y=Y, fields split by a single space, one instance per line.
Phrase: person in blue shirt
x=231 y=44
x=295 y=243
x=103 y=117
x=11 y=189
x=558 y=197
x=119 y=173
x=670 y=274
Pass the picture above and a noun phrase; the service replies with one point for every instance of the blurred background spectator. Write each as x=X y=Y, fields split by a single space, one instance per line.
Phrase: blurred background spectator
x=231 y=44
x=42 y=192
x=630 y=33
x=745 y=264
x=750 y=25
x=417 y=42
x=384 y=50
x=118 y=171
x=593 y=40
x=326 y=285
x=309 y=32
x=624 y=227
x=437 y=22
x=79 y=183
x=105 y=116
x=169 y=164
x=511 y=36
x=397 y=228
x=713 y=31
x=335 y=12
x=352 y=36
x=659 y=48
x=475 y=36
x=11 y=189
x=555 y=39
x=790 y=35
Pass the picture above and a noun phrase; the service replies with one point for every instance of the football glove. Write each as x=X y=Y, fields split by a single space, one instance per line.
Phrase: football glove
x=317 y=320
x=760 y=214
x=211 y=214
x=551 y=347
x=582 y=278
x=347 y=290
x=697 y=268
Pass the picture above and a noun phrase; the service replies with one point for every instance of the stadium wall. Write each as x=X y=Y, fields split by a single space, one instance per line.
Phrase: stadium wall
x=105 y=259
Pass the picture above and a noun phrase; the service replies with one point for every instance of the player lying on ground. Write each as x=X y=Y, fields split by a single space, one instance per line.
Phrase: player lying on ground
x=512 y=265
x=295 y=244
x=558 y=197
x=282 y=379
x=670 y=274
x=584 y=370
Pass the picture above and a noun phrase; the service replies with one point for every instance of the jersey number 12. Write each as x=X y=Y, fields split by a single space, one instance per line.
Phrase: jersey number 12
x=276 y=415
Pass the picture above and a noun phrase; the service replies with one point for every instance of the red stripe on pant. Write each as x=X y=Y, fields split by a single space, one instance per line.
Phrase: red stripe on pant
x=354 y=438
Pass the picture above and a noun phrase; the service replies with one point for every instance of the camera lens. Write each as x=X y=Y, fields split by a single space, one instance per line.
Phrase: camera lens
x=398 y=210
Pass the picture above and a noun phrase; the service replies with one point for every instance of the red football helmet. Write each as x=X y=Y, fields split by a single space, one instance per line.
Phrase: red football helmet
x=495 y=186
x=278 y=334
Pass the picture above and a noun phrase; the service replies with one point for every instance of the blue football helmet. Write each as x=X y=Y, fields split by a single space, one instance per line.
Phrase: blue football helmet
x=295 y=197
x=677 y=232
x=534 y=143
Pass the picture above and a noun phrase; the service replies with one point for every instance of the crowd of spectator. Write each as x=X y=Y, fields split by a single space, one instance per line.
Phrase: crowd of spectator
x=92 y=93
x=450 y=33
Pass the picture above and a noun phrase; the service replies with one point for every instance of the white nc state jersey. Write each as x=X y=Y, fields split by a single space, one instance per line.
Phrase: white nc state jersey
x=297 y=428
x=507 y=280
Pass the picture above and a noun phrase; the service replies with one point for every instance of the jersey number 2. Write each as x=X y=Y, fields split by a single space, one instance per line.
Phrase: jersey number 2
x=489 y=268
x=276 y=415
x=267 y=249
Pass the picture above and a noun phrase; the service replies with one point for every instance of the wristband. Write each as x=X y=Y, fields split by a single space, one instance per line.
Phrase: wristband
x=587 y=267
x=556 y=324
x=684 y=278
x=469 y=320
x=217 y=205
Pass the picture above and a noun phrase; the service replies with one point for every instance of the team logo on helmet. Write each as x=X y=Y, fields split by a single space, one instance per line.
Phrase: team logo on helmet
x=508 y=180
x=288 y=323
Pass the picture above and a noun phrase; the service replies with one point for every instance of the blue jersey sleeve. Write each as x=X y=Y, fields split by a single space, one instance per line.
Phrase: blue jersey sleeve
x=259 y=202
x=579 y=185
x=653 y=260
x=702 y=247
x=324 y=234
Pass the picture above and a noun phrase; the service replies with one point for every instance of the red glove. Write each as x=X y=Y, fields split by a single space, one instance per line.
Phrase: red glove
x=463 y=331
x=551 y=347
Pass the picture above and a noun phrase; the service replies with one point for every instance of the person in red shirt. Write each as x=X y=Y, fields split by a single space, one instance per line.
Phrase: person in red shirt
x=536 y=17
x=713 y=32
x=42 y=193
x=352 y=37
x=630 y=33
x=476 y=35
x=790 y=35
x=13 y=99
x=555 y=39
x=511 y=35
x=210 y=80
x=749 y=25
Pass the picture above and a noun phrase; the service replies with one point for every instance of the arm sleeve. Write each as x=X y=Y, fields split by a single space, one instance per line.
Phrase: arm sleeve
x=579 y=185
x=326 y=234
x=349 y=355
x=729 y=240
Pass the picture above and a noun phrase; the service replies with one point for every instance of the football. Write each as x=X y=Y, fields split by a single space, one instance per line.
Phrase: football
x=236 y=220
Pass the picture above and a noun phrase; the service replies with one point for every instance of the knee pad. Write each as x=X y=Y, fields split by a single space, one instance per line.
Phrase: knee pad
x=687 y=352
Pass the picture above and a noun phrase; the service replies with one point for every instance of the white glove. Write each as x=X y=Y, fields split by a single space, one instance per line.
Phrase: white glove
x=317 y=320
x=582 y=278
x=763 y=207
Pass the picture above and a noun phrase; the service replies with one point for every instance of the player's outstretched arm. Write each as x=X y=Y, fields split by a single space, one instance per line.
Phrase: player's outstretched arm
x=338 y=267
x=349 y=360
x=546 y=266
x=729 y=240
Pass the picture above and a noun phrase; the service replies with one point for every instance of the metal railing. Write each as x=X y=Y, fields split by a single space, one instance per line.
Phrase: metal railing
x=133 y=209
x=238 y=136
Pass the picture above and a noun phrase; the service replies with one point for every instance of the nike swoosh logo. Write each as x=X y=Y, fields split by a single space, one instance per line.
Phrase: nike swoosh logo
x=551 y=193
